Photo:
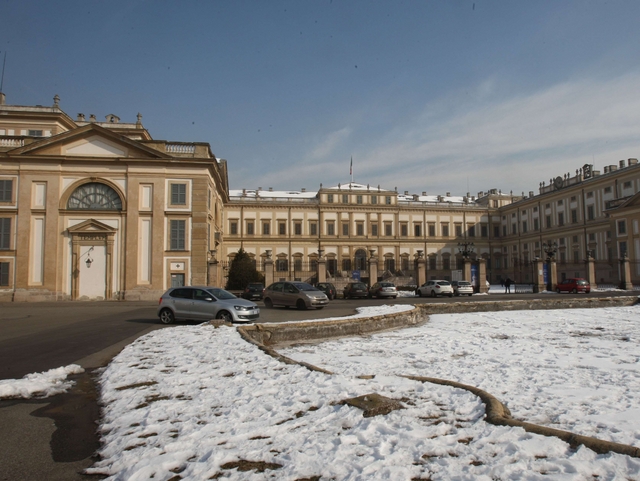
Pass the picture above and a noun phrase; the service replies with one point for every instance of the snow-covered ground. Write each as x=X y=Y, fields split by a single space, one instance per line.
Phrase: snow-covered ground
x=39 y=384
x=198 y=402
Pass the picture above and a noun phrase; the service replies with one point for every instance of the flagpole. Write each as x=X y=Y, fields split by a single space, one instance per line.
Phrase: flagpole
x=351 y=169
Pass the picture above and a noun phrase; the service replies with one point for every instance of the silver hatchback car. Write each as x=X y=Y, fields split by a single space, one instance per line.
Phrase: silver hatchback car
x=202 y=303
x=298 y=294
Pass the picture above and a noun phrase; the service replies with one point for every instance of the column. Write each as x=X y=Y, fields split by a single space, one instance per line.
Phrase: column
x=553 y=275
x=538 y=285
x=268 y=270
x=422 y=270
x=591 y=271
x=322 y=269
x=482 y=276
x=373 y=267
x=466 y=269
x=625 y=274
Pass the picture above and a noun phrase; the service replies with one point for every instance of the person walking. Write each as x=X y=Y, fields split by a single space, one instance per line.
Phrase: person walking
x=507 y=285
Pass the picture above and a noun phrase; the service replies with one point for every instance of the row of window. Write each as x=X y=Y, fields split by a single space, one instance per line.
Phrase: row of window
x=549 y=224
x=360 y=199
x=330 y=229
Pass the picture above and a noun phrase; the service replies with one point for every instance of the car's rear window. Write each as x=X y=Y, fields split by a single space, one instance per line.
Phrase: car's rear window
x=444 y=283
x=582 y=283
x=386 y=284
x=359 y=285
x=464 y=283
x=303 y=286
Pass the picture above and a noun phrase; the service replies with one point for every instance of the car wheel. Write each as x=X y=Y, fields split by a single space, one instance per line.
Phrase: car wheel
x=300 y=304
x=457 y=294
x=268 y=302
x=574 y=291
x=320 y=307
x=558 y=290
x=166 y=316
x=451 y=295
x=225 y=316
x=433 y=294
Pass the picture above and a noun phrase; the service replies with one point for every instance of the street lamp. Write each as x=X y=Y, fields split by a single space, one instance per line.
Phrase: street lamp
x=89 y=260
x=550 y=249
x=465 y=249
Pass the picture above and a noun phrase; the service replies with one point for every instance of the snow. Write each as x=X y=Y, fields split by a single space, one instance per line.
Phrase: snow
x=196 y=402
x=42 y=384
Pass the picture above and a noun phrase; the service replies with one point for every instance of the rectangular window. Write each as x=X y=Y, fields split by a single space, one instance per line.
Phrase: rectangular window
x=35 y=133
x=496 y=231
x=514 y=228
x=536 y=224
x=591 y=212
x=622 y=227
x=417 y=230
x=446 y=263
x=5 y=233
x=560 y=218
x=331 y=228
x=445 y=230
x=360 y=228
x=504 y=231
x=4 y=273
x=548 y=222
x=626 y=185
x=297 y=228
x=178 y=194
x=524 y=226
x=560 y=202
x=345 y=198
x=374 y=230
x=404 y=230
x=574 y=216
x=623 y=249
x=250 y=225
x=472 y=231
x=432 y=263
x=177 y=235
x=432 y=230
x=233 y=228
x=589 y=195
x=387 y=200
x=607 y=190
x=374 y=199
x=484 y=231
x=345 y=228
x=313 y=228
x=592 y=237
x=359 y=199
x=266 y=228
x=330 y=198
x=458 y=230
x=6 y=190
x=282 y=228
x=387 y=229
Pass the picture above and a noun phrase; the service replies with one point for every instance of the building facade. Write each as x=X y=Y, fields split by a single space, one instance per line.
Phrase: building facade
x=589 y=215
x=100 y=210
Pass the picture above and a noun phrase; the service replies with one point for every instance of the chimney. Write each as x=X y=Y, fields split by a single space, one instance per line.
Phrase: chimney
x=633 y=162
x=406 y=192
x=3 y=98
x=621 y=163
x=303 y=189
x=80 y=118
x=92 y=118
x=424 y=194
x=270 y=189
x=530 y=193
x=448 y=194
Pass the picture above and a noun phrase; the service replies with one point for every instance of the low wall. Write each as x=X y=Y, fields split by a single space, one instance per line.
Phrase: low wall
x=281 y=334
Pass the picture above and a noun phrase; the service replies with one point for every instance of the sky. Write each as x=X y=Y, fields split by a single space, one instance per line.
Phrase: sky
x=424 y=96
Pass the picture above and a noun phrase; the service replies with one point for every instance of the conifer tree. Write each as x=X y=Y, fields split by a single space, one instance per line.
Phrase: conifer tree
x=242 y=271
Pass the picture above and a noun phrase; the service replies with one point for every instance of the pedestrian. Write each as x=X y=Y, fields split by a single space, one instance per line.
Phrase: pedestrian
x=507 y=285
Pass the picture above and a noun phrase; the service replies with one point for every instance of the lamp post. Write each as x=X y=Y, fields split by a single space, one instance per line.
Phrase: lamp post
x=550 y=248
x=465 y=249
x=89 y=260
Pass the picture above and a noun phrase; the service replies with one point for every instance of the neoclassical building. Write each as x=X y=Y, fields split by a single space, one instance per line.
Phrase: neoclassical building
x=100 y=210
x=591 y=215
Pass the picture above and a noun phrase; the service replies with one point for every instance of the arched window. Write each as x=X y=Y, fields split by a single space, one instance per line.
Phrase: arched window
x=361 y=260
x=94 y=196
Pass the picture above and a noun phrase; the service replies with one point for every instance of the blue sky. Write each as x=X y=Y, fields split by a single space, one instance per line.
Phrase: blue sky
x=446 y=96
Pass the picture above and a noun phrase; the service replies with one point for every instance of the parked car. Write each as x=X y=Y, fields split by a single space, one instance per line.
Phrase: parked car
x=462 y=288
x=298 y=294
x=435 y=288
x=574 y=285
x=254 y=290
x=202 y=303
x=355 y=289
x=328 y=288
x=383 y=289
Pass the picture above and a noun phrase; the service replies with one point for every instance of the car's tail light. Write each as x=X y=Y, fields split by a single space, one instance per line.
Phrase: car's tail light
x=160 y=301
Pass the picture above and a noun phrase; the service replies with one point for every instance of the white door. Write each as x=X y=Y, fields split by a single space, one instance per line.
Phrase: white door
x=93 y=275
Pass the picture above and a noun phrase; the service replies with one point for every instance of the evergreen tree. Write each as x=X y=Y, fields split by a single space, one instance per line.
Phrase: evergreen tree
x=242 y=271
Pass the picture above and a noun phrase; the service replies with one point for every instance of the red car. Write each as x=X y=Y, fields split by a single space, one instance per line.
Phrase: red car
x=574 y=285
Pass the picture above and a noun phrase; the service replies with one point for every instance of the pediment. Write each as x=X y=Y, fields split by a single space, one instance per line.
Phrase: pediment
x=90 y=141
x=91 y=226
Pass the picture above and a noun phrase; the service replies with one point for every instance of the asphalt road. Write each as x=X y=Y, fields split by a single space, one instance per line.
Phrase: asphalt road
x=54 y=438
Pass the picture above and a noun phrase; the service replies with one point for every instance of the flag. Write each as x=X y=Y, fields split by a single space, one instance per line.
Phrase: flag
x=351 y=167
